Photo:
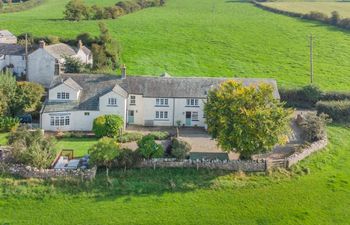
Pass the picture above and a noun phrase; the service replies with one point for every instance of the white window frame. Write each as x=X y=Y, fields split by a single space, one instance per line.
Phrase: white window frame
x=194 y=116
x=162 y=115
x=132 y=100
x=162 y=102
x=63 y=95
x=59 y=121
x=192 y=102
x=112 y=101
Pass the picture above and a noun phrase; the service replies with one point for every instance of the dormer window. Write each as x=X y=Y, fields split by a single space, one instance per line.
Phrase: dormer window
x=63 y=95
x=112 y=101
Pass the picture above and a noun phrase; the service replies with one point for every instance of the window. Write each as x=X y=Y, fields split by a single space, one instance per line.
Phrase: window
x=194 y=116
x=59 y=121
x=62 y=95
x=132 y=100
x=192 y=102
x=57 y=68
x=112 y=101
x=162 y=101
x=86 y=113
x=67 y=121
x=161 y=115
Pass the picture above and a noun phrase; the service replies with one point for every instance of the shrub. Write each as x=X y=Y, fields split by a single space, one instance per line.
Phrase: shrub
x=332 y=96
x=339 y=111
x=128 y=6
x=129 y=137
x=73 y=65
x=8 y=124
x=160 y=135
x=316 y=16
x=180 y=149
x=305 y=97
x=108 y=125
x=104 y=152
x=127 y=158
x=76 y=10
x=32 y=148
x=314 y=127
x=148 y=148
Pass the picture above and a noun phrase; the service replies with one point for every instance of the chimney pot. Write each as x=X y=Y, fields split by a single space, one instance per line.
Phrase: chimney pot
x=123 y=70
x=80 y=44
x=42 y=44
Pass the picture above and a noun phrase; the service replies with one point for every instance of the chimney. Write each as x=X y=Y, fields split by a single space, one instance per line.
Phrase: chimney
x=42 y=44
x=123 y=70
x=80 y=44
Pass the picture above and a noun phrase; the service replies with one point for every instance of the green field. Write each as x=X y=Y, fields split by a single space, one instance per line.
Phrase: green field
x=208 y=38
x=183 y=196
x=305 y=7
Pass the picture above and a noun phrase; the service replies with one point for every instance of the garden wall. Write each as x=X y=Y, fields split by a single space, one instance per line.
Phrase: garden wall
x=30 y=172
x=235 y=165
x=296 y=157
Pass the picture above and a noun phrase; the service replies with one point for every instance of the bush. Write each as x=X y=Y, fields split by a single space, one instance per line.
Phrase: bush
x=32 y=148
x=339 y=111
x=305 y=97
x=335 y=96
x=127 y=158
x=128 y=6
x=148 y=148
x=104 y=152
x=73 y=65
x=314 y=127
x=316 y=16
x=180 y=149
x=160 y=135
x=129 y=137
x=108 y=125
x=8 y=124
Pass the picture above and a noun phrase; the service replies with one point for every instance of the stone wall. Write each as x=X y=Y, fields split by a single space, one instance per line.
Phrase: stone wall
x=30 y=172
x=296 y=157
x=235 y=165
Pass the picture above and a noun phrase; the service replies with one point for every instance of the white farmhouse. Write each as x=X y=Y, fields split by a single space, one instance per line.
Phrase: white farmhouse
x=74 y=101
x=47 y=62
x=6 y=37
x=12 y=59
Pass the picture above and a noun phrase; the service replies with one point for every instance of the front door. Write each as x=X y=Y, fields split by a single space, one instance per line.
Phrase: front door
x=131 y=116
x=188 y=119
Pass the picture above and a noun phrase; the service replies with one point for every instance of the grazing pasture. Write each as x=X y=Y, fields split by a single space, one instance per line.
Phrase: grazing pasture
x=305 y=7
x=214 y=38
x=316 y=191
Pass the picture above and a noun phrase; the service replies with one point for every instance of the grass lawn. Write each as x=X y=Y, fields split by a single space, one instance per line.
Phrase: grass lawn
x=208 y=38
x=185 y=196
x=305 y=7
x=3 y=138
x=79 y=145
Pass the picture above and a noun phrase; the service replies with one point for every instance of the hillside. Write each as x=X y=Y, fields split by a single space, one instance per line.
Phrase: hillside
x=208 y=38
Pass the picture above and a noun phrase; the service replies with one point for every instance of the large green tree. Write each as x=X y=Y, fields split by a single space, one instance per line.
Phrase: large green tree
x=246 y=119
x=76 y=10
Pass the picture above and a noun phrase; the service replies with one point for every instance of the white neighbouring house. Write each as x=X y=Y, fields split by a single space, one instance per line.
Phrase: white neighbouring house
x=6 y=37
x=12 y=59
x=75 y=100
x=47 y=62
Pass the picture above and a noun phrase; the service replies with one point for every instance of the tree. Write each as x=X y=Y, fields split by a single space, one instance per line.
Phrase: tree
x=110 y=46
x=73 y=65
x=76 y=10
x=246 y=119
x=335 y=18
x=104 y=152
x=108 y=125
x=180 y=149
x=8 y=89
x=127 y=158
x=28 y=97
x=32 y=147
x=148 y=148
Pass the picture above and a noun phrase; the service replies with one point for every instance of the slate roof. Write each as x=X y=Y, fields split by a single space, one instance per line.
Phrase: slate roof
x=11 y=49
x=6 y=33
x=94 y=85
x=60 y=50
